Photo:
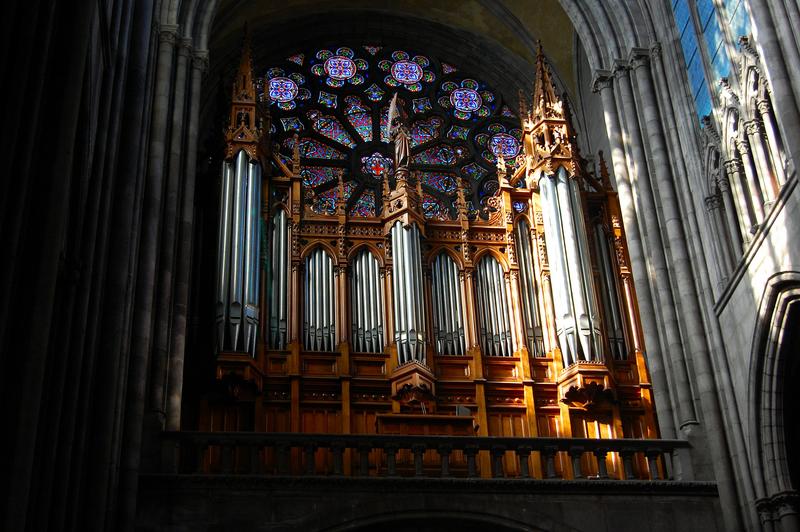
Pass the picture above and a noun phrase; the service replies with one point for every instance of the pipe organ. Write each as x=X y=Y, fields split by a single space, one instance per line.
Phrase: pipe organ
x=388 y=306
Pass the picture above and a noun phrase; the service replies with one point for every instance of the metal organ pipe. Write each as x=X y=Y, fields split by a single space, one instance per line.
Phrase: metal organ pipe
x=223 y=253
x=319 y=319
x=533 y=328
x=447 y=307
x=493 y=308
x=238 y=254
x=367 y=315
x=614 y=325
x=280 y=267
x=577 y=323
x=409 y=309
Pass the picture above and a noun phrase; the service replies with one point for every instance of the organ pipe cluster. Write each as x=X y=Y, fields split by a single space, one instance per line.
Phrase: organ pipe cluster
x=237 y=311
x=533 y=327
x=280 y=281
x=319 y=306
x=366 y=304
x=448 y=317
x=409 y=306
x=493 y=300
x=609 y=293
x=577 y=322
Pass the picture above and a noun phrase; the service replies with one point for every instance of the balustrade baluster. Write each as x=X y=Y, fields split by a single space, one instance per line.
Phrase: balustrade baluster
x=419 y=451
x=575 y=453
x=391 y=459
x=310 y=449
x=282 y=449
x=444 y=457
x=652 y=462
x=523 y=453
x=497 y=461
x=627 y=462
x=338 y=450
x=550 y=461
x=471 y=451
x=227 y=456
x=363 y=458
x=602 y=469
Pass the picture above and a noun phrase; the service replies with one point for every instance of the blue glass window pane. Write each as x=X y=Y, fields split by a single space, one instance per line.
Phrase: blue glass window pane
x=705 y=11
x=696 y=74
x=703 y=102
x=720 y=64
x=681 y=14
x=740 y=21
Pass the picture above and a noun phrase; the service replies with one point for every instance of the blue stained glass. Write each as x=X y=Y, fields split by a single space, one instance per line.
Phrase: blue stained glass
x=292 y=124
x=507 y=112
x=314 y=149
x=325 y=202
x=458 y=132
x=326 y=99
x=443 y=182
x=441 y=155
x=474 y=171
x=447 y=68
x=504 y=144
x=421 y=105
x=407 y=72
x=376 y=165
x=466 y=99
x=282 y=89
x=374 y=93
x=359 y=117
x=432 y=208
x=425 y=130
x=520 y=206
x=385 y=124
x=739 y=20
x=330 y=127
x=340 y=67
x=297 y=59
x=364 y=205
x=317 y=175
x=372 y=49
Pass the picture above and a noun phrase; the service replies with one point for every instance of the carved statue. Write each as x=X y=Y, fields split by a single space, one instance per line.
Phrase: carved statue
x=399 y=134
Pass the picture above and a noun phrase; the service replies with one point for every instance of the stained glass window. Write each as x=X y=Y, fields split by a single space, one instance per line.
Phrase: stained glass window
x=336 y=99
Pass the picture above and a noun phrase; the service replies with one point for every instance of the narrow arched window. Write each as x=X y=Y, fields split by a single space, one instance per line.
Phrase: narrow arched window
x=319 y=305
x=493 y=315
x=448 y=318
x=279 y=282
x=366 y=304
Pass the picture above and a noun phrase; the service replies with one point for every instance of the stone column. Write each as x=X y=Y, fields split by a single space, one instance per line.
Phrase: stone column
x=687 y=296
x=604 y=85
x=769 y=188
x=751 y=178
x=733 y=168
x=775 y=147
x=724 y=263
x=674 y=358
x=169 y=229
x=141 y=335
x=730 y=217
x=769 y=32
x=184 y=263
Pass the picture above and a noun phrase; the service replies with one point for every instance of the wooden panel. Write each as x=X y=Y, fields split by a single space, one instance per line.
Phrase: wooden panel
x=276 y=365
x=319 y=365
x=453 y=368
x=501 y=369
x=369 y=368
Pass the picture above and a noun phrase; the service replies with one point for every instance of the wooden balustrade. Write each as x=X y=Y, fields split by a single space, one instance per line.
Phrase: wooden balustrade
x=246 y=453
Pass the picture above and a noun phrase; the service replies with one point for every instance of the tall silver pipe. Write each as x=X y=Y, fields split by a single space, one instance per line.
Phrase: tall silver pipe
x=401 y=338
x=458 y=312
x=238 y=248
x=528 y=288
x=447 y=307
x=437 y=302
x=223 y=254
x=251 y=256
x=275 y=284
x=614 y=326
x=411 y=326
x=283 y=280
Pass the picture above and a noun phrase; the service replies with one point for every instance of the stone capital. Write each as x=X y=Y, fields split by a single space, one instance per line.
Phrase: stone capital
x=168 y=33
x=603 y=79
x=733 y=166
x=200 y=60
x=185 y=47
x=620 y=68
x=712 y=202
x=723 y=183
x=639 y=57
